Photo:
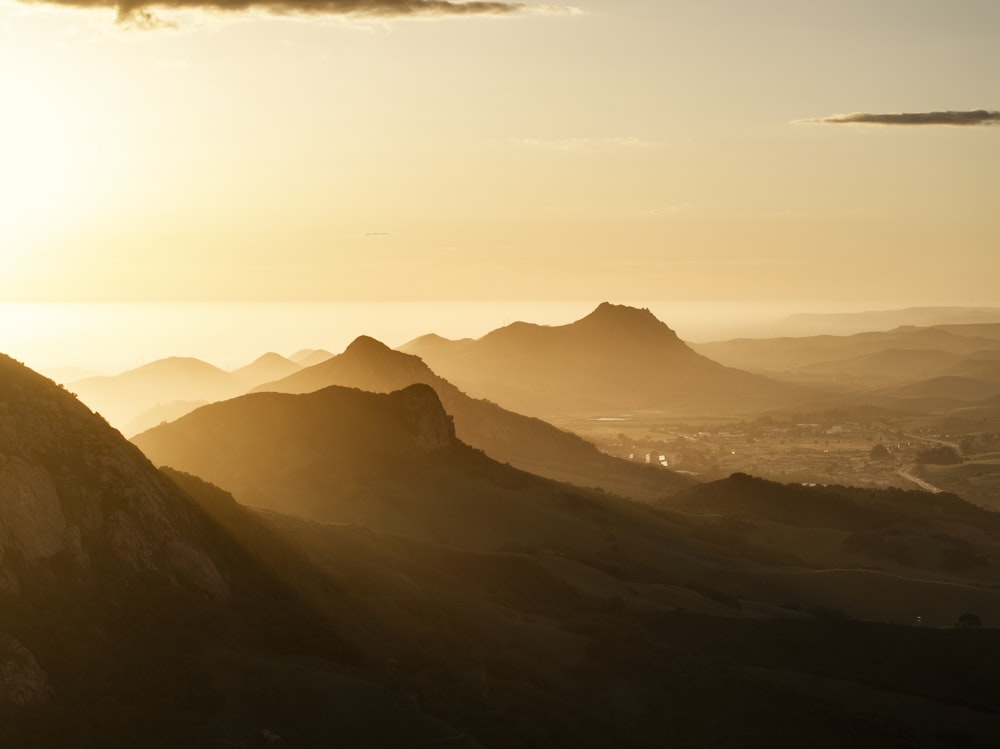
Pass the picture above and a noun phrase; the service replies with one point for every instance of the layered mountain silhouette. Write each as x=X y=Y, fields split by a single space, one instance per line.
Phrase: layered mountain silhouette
x=616 y=358
x=522 y=441
x=166 y=389
x=929 y=350
x=391 y=462
x=478 y=606
x=848 y=323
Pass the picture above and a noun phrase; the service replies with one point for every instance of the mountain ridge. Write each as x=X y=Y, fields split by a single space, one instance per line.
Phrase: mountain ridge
x=523 y=441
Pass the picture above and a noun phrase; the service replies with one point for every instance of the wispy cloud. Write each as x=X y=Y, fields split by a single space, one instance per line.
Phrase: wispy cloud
x=971 y=118
x=140 y=13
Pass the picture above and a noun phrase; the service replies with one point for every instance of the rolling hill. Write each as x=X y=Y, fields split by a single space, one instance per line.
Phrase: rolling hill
x=846 y=354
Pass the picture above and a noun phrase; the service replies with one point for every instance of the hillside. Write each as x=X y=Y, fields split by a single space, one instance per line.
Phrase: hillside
x=616 y=358
x=830 y=354
x=524 y=442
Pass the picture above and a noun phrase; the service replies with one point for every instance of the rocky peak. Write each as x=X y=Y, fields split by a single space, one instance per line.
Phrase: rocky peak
x=432 y=427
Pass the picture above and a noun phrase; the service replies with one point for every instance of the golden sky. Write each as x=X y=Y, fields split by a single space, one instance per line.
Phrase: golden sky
x=653 y=149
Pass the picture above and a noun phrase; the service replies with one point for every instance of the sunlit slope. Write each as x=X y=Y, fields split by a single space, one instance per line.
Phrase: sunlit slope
x=617 y=358
x=522 y=441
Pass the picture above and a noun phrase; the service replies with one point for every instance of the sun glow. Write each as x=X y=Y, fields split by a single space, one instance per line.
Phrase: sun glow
x=54 y=155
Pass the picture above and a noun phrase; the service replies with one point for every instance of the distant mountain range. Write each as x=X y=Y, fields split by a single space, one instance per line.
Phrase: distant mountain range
x=907 y=368
x=862 y=354
x=616 y=358
x=168 y=388
x=847 y=323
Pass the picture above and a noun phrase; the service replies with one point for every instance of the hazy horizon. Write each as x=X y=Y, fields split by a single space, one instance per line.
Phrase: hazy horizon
x=112 y=337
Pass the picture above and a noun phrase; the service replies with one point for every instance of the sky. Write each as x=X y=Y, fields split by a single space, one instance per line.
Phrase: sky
x=824 y=152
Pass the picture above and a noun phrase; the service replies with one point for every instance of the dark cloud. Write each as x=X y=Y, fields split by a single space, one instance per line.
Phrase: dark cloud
x=970 y=118
x=141 y=12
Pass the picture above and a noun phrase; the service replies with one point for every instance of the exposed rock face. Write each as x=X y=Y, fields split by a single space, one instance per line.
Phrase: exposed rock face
x=22 y=680
x=432 y=428
x=31 y=516
x=72 y=486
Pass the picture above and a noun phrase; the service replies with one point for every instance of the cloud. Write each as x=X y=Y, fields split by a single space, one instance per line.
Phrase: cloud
x=140 y=13
x=971 y=118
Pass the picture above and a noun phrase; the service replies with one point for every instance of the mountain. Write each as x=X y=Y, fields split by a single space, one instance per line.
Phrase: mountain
x=265 y=368
x=950 y=387
x=528 y=443
x=823 y=353
x=91 y=534
x=615 y=359
x=847 y=323
x=390 y=462
x=126 y=397
x=309 y=357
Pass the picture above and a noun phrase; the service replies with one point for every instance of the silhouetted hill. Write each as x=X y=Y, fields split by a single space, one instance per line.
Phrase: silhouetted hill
x=948 y=387
x=265 y=368
x=848 y=323
x=892 y=363
x=787 y=354
x=125 y=397
x=309 y=357
x=615 y=358
x=387 y=461
x=522 y=441
x=838 y=527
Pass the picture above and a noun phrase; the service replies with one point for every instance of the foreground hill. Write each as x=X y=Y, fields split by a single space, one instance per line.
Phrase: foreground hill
x=617 y=358
x=906 y=532
x=527 y=443
x=177 y=617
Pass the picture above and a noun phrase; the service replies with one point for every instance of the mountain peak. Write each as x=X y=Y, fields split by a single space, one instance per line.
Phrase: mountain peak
x=621 y=319
x=365 y=345
x=620 y=313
